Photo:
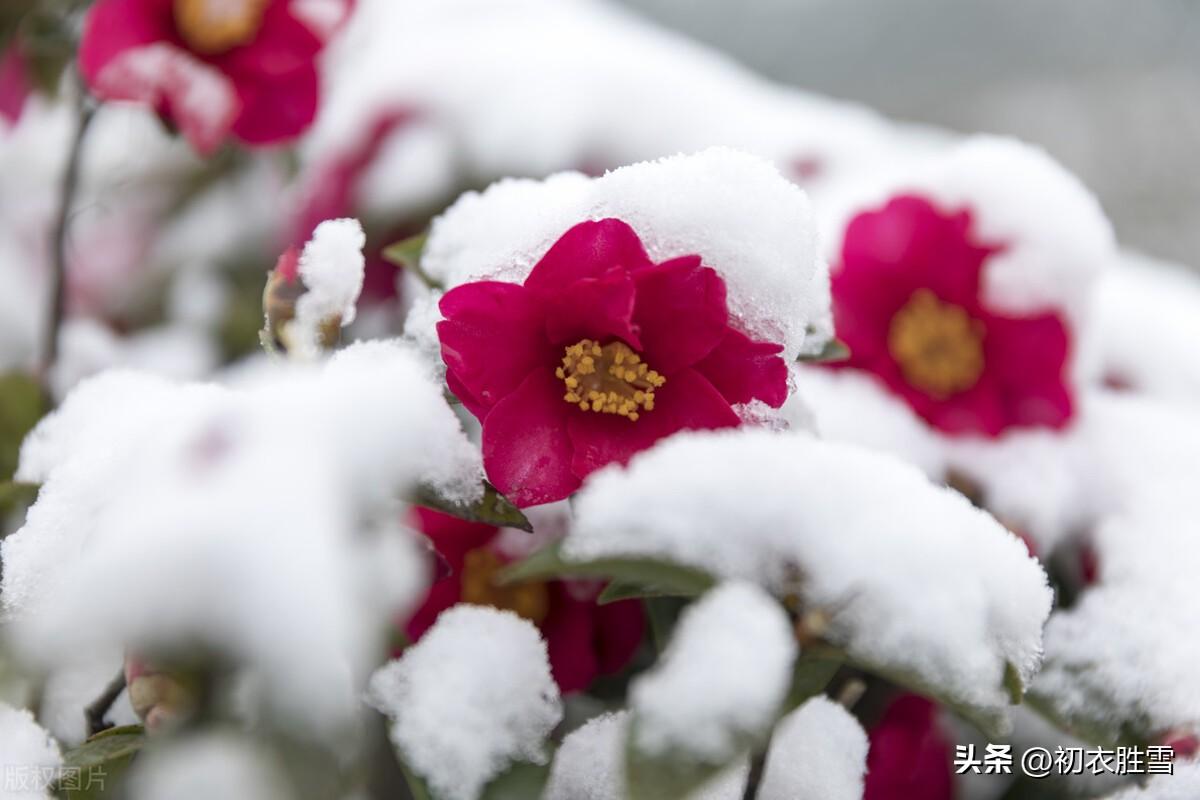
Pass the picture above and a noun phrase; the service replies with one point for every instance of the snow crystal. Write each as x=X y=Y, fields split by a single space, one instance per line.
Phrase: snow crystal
x=1148 y=323
x=1120 y=657
x=208 y=766
x=722 y=680
x=27 y=756
x=259 y=519
x=1184 y=784
x=747 y=222
x=471 y=697
x=855 y=534
x=331 y=267
x=818 y=751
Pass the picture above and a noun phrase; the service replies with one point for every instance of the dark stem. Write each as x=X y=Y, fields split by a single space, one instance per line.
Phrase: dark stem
x=758 y=766
x=99 y=707
x=58 y=242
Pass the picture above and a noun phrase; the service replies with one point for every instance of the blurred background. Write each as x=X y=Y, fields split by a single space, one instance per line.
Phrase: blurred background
x=1109 y=87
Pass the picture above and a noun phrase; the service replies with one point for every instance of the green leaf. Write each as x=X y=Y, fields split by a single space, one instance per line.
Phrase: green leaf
x=22 y=404
x=833 y=350
x=519 y=782
x=675 y=579
x=491 y=509
x=810 y=676
x=91 y=769
x=664 y=778
x=416 y=784
x=14 y=496
x=407 y=255
x=634 y=590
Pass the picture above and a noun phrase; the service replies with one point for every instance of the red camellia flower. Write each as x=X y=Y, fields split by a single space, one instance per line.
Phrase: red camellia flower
x=907 y=302
x=910 y=756
x=598 y=355
x=584 y=639
x=211 y=67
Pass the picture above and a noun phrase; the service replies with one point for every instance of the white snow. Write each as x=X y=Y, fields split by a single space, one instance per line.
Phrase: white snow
x=1048 y=484
x=737 y=212
x=856 y=535
x=29 y=757
x=818 y=751
x=1184 y=784
x=719 y=685
x=531 y=87
x=470 y=698
x=1121 y=657
x=260 y=520
x=1147 y=323
x=590 y=765
x=207 y=766
x=331 y=267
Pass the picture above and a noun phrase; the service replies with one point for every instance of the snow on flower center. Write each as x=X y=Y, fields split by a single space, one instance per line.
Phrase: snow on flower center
x=608 y=379
x=938 y=346
x=212 y=27
x=529 y=600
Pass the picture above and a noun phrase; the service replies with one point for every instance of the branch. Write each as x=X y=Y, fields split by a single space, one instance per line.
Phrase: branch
x=99 y=707
x=58 y=242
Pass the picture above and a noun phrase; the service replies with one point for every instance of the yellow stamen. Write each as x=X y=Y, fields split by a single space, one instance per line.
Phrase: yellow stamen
x=608 y=379
x=938 y=346
x=212 y=27
x=530 y=600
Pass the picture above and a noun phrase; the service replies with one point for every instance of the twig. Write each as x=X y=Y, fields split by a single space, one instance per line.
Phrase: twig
x=99 y=707
x=58 y=243
x=758 y=766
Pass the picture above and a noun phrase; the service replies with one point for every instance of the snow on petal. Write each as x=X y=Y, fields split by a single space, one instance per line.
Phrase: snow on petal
x=202 y=99
x=331 y=267
x=818 y=750
x=737 y=212
x=1057 y=242
x=29 y=757
x=720 y=683
x=853 y=533
x=473 y=696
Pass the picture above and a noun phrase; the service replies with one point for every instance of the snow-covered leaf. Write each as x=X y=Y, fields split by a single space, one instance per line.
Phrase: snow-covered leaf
x=492 y=508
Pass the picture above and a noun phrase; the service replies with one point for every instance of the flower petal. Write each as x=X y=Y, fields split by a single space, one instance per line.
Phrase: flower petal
x=283 y=45
x=452 y=537
x=568 y=631
x=620 y=627
x=593 y=308
x=492 y=337
x=114 y=26
x=443 y=594
x=745 y=370
x=588 y=250
x=687 y=402
x=526 y=450
x=278 y=109
x=680 y=313
x=1030 y=358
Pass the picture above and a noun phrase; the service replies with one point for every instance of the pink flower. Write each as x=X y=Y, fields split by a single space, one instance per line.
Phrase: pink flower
x=15 y=83
x=910 y=755
x=907 y=302
x=211 y=67
x=598 y=355
x=584 y=639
